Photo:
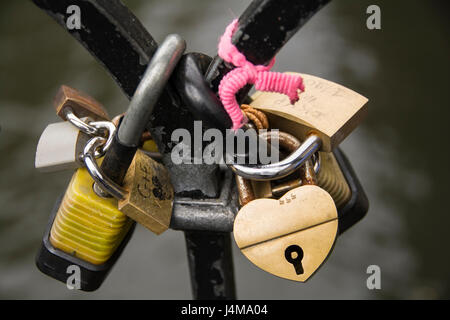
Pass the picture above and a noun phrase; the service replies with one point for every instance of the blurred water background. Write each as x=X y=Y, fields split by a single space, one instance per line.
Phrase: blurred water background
x=400 y=152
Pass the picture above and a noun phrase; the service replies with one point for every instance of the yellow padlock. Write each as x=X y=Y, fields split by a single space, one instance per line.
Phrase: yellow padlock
x=87 y=226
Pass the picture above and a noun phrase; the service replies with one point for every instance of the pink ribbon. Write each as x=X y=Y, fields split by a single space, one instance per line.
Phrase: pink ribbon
x=245 y=73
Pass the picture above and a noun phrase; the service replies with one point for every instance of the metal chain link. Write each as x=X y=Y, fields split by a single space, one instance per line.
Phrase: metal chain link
x=103 y=129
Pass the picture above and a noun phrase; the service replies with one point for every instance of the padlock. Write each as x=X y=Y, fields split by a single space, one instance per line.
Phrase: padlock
x=60 y=265
x=149 y=193
x=325 y=108
x=87 y=226
x=89 y=230
x=61 y=144
x=91 y=227
x=59 y=148
x=336 y=176
x=290 y=237
x=85 y=230
x=79 y=103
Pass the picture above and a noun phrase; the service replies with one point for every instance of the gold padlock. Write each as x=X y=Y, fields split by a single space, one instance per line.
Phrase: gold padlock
x=290 y=237
x=149 y=193
x=325 y=108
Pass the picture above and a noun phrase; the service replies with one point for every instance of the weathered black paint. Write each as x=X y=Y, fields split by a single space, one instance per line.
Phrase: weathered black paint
x=210 y=265
x=192 y=87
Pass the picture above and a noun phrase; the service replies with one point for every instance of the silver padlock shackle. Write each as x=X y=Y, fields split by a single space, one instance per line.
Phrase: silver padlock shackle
x=149 y=89
x=101 y=180
x=283 y=168
x=80 y=124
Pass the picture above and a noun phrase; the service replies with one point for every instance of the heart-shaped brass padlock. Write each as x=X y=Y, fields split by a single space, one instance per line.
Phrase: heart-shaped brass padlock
x=290 y=237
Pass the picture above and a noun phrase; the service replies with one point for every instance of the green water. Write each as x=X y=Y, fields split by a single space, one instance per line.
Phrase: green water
x=399 y=152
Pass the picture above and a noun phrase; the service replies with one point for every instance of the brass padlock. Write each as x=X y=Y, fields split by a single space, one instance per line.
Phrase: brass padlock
x=325 y=108
x=149 y=196
x=81 y=104
x=290 y=237
x=62 y=143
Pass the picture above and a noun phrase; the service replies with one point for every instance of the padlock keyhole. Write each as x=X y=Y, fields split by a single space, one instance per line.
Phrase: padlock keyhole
x=294 y=255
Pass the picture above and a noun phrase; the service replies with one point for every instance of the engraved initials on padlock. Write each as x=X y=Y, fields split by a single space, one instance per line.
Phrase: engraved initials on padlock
x=325 y=108
x=149 y=196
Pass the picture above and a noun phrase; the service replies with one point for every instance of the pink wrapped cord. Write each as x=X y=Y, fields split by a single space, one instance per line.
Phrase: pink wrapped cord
x=245 y=73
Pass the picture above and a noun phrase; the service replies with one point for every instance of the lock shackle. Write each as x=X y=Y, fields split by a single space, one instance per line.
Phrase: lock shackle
x=126 y=141
x=289 y=142
x=92 y=128
x=149 y=90
x=111 y=128
x=101 y=180
x=273 y=171
x=81 y=125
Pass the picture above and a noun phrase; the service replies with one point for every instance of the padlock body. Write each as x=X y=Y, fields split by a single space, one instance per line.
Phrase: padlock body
x=150 y=194
x=325 y=108
x=81 y=104
x=59 y=148
x=55 y=263
x=305 y=217
x=87 y=226
x=270 y=256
